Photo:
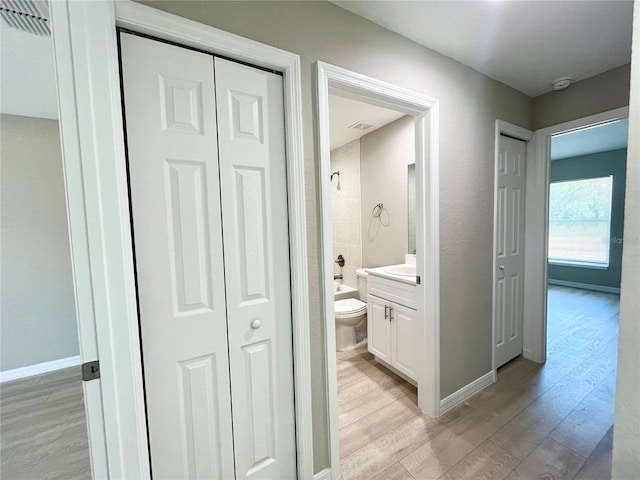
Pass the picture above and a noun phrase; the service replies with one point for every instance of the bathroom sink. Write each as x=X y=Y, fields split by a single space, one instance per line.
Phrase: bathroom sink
x=402 y=270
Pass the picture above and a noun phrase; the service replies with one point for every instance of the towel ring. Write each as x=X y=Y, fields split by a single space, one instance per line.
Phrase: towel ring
x=377 y=210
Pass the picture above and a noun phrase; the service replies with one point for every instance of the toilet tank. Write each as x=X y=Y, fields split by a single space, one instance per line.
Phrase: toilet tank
x=362 y=274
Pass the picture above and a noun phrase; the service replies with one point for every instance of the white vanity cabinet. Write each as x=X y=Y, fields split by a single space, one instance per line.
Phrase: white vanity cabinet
x=392 y=325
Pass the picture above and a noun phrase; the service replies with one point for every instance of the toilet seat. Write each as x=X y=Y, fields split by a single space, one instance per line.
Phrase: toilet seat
x=350 y=307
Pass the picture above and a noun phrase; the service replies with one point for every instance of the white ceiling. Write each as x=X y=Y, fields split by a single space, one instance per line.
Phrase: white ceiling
x=524 y=44
x=27 y=74
x=344 y=112
x=601 y=138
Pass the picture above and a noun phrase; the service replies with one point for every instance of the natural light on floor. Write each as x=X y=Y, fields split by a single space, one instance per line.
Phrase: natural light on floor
x=579 y=221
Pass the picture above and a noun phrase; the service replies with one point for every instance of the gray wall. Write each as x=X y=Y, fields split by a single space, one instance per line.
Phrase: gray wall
x=384 y=156
x=37 y=318
x=594 y=166
x=469 y=105
x=593 y=95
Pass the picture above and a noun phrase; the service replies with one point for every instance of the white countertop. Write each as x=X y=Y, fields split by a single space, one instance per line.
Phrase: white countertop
x=381 y=272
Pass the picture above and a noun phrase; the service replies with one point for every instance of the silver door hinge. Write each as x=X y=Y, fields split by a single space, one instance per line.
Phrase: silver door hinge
x=417 y=279
x=90 y=370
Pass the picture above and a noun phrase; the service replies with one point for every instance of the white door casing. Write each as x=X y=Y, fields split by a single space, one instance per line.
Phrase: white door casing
x=91 y=121
x=537 y=229
x=175 y=195
x=80 y=215
x=509 y=245
x=254 y=212
x=426 y=113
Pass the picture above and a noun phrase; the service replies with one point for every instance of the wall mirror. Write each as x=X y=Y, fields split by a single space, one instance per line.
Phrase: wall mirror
x=411 y=207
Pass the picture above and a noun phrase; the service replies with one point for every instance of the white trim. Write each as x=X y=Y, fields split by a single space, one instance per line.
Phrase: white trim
x=97 y=168
x=466 y=392
x=584 y=286
x=520 y=133
x=323 y=475
x=39 y=368
x=332 y=79
x=537 y=230
x=77 y=29
x=577 y=264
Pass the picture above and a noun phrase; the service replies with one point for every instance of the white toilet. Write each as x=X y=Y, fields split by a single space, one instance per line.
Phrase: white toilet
x=351 y=313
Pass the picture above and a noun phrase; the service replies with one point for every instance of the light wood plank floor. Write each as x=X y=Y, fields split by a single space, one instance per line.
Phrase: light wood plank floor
x=551 y=421
x=43 y=432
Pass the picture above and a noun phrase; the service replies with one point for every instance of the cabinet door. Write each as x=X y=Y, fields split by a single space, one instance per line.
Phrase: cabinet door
x=379 y=327
x=405 y=340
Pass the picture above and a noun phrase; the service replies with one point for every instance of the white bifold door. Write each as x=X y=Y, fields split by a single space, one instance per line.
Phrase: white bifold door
x=206 y=152
x=509 y=246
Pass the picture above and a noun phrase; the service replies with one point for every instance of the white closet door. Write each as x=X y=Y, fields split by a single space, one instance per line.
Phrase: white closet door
x=509 y=250
x=253 y=182
x=173 y=162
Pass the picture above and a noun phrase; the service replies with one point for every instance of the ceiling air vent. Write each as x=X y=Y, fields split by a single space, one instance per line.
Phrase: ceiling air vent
x=30 y=16
x=362 y=126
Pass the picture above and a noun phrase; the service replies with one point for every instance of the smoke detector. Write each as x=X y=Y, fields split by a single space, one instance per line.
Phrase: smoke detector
x=561 y=84
x=30 y=16
x=362 y=126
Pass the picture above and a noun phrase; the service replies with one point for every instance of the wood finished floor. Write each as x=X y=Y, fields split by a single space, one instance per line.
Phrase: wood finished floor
x=43 y=432
x=551 y=421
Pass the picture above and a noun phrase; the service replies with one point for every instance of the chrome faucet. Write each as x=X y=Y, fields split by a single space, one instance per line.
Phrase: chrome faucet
x=340 y=262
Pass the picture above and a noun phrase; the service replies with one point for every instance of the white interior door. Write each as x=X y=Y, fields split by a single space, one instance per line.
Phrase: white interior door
x=253 y=180
x=175 y=195
x=509 y=246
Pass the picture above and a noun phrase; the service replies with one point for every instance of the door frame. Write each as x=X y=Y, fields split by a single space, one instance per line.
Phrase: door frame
x=537 y=229
x=332 y=79
x=526 y=135
x=91 y=123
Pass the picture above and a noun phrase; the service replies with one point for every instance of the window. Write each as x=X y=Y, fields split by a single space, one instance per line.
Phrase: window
x=579 y=222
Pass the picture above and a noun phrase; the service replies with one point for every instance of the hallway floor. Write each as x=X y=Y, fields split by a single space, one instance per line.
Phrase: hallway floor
x=43 y=431
x=550 y=421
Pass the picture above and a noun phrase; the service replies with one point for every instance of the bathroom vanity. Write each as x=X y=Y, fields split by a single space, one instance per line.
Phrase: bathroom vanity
x=393 y=327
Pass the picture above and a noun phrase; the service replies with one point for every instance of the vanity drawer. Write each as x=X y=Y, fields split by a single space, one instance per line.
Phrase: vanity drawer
x=397 y=292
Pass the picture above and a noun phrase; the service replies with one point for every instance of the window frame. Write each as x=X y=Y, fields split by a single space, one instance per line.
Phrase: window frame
x=582 y=263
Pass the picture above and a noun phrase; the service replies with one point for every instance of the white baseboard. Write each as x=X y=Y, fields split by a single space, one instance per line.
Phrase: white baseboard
x=585 y=286
x=456 y=398
x=45 y=367
x=323 y=475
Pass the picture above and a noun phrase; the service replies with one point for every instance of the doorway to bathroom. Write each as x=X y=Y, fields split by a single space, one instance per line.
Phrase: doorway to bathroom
x=378 y=182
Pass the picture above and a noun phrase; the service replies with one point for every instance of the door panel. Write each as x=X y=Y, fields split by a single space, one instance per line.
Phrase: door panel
x=254 y=215
x=509 y=250
x=173 y=171
x=379 y=328
x=405 y=336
